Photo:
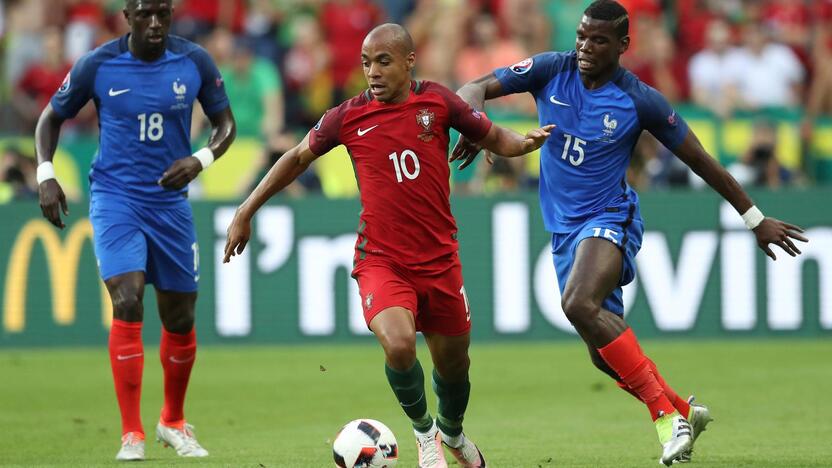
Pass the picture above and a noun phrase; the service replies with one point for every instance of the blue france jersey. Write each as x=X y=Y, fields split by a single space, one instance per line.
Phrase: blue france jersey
x=144 y=112
x=584 y=162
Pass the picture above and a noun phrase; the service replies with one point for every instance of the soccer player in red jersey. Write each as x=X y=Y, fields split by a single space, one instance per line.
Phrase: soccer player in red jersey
x=406 y=261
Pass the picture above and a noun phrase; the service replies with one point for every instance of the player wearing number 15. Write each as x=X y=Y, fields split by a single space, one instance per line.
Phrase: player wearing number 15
x=600 y=110
x=144 y=86
x=406 y=263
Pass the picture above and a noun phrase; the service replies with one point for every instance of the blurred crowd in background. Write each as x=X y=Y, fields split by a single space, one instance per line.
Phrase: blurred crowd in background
x=285 y=62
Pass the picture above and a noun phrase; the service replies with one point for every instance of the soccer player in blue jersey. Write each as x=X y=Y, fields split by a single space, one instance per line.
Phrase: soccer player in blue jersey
x=144 y=85
x=599 y=110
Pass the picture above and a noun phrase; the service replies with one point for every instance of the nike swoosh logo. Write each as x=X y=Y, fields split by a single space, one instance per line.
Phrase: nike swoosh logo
x=560 y=103
x=180 y=361
x=129 y=356
x=364 y=132
x=119 y=92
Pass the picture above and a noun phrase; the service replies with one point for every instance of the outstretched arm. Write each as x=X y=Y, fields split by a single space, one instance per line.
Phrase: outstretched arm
x=285 y=170
x=509 y=143
x=50 y=193
x=475 y=93
x=184 y=170
x=767 y=230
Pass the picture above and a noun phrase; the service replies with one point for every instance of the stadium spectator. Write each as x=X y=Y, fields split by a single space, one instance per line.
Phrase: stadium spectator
x=435 y=26
x=345 y=23
x=819 y=100
x=262 y=24
x=253 y=84
x=17 y=176
x=706 y=71
x=790 y=24
x=83 y=20
x=40 y=80
x=658 y=64
x=561 y=17
x=763 y=73
x=308 y=74
x=758 y=166
x=26 y=21
x=693 y=20
x=196 y=19
x=485 y=50
x=526 y=24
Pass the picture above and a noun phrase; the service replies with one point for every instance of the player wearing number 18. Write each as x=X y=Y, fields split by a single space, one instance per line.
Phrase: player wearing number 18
x=144 y=85
x=406 y=263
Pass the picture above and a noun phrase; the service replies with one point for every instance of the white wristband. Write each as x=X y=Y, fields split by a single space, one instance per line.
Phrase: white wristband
x=45 y=172
x=205 y=156
x=753 y=217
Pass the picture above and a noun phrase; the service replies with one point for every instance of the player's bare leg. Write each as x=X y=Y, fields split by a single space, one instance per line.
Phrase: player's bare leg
x=127 y=359
x=395 y=329
x=452 y=387
x=595 y=273
x=177 y=351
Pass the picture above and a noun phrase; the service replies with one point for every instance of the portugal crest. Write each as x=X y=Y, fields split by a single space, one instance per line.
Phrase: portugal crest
x=425 y=119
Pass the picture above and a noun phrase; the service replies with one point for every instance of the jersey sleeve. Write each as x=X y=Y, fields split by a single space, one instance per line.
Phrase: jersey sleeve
x=531 y=74
x=78 y=87
x=464 y=118
x=657 y=117
x=212 y=92
x=325 y=134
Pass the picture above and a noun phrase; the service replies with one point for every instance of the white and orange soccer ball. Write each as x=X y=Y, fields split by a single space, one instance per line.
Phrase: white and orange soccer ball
x=365 y=443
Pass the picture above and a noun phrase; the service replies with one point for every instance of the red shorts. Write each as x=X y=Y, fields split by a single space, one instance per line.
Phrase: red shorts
x=437 y=299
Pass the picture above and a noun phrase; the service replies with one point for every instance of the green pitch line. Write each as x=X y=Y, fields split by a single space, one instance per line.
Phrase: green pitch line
x=532 y=405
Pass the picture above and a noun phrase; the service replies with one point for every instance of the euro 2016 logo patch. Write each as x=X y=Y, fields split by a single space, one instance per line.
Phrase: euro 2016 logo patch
x=65 y=85
x=425 y=118
x=671 y=119
x=522 y=67
x=320 y=122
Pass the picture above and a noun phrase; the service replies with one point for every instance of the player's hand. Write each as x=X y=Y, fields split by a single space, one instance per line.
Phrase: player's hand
x=239 y=232
x=535 y=138
x=52 y=202
x=467 y=151
x=774 y=231
x=180 y=173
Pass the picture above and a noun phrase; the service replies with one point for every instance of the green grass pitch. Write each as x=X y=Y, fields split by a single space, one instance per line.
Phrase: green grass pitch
x=532 y=405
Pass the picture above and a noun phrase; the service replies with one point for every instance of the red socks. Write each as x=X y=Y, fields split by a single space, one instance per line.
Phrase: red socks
x=625 y=357
x=177 y=353
x=681 y=405
x=127 y=362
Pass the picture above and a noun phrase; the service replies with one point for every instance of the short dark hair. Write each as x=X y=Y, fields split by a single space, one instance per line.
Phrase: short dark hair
x=610 y=10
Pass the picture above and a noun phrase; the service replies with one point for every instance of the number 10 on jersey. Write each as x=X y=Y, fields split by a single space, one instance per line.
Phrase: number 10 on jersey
x=403 y=162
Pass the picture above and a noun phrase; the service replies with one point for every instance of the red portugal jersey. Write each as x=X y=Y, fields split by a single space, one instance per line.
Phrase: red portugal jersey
x=400 y=156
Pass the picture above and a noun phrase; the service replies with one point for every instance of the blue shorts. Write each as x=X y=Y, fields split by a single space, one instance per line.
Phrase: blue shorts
x=160 y=241
x=624 y=229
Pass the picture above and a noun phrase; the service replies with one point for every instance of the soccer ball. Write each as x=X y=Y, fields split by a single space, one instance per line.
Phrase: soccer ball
x=365 y=443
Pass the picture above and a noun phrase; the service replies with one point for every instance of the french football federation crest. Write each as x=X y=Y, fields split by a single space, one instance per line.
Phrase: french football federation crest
x=609 y=125
x=425 y=118
x=179 y=89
